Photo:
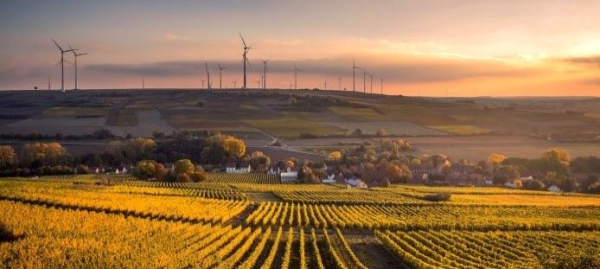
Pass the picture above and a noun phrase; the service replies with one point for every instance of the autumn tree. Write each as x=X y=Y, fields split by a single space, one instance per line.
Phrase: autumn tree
x=559 y=155
x=334 y=157
x=496 y=159
x=184 y=166
x=259 y=161
x=43 y=153
x=8 y=157
x=145 y=169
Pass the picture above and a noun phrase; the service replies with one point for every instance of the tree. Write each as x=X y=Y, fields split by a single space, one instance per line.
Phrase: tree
x=535 y=185
x=559 y=155
x=8 y=157
x=496 y=159
x=259 y=162
x=357 y=132
x=184 y=166
x=183 y=178
x=43 y=153
x=234 y=147
x=160 y=172
x=381 y=132
x=145 y=169
x=198 y=175
x=334 y=157
x=133 y=149
x=506 y=173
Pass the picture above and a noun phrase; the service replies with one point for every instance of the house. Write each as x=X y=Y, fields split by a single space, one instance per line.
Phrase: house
x=231 y=168
x=528 y=178
x=288 y=176
x=510 y=185
x=330 y=179
x=421 y=174
x=356 y=183
x=554 y=188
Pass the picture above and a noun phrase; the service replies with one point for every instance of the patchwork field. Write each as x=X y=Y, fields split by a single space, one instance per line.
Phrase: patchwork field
x=390 y=127
x=293 y=128
x=246 y=221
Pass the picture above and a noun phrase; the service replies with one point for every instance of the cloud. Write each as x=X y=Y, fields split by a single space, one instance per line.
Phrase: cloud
x=403 y=70
x=588 y=61
x=169 y=36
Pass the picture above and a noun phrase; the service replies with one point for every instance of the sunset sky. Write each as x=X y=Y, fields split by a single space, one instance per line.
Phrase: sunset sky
x=495 y=48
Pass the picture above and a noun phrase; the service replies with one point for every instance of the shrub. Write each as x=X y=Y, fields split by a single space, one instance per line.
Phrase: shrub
x=183 y=178
x=198 y=177
x=438 y=197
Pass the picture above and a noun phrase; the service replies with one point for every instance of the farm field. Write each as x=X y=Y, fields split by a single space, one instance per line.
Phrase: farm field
x=252 y=221
x=477 y=147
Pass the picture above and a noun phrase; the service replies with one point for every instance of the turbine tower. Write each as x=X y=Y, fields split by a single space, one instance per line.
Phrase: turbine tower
x=75 y=54
x=207 y=76
x=371 y=76
x=296 y=77
x=365 y=81
x=245 y=58
x=354 y=67
x=382 y=86
x=62 y=64
x=221 y=76
x=203 y=82
x=234 y=83
x=325 y=84
x=265 y=70
x=340 y=83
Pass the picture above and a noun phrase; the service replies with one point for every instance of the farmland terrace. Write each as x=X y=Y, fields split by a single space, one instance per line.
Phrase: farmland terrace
x=302 y=120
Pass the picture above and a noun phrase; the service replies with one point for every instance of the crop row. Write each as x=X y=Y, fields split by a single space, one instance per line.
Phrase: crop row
x=415 y=217
x=455 y=249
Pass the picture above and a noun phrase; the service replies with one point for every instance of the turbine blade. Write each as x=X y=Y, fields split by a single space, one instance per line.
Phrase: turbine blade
x=61 y=50
x=243 y=41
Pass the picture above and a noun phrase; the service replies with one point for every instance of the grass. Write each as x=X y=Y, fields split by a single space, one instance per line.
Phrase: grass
x=292 y=128
x=79 y=112
x=460 y=129
x=357 y=114
x=122 y=117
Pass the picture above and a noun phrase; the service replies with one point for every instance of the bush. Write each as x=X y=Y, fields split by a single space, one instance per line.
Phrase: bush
x=438 y=197
x=198 y=177
x=183 y=178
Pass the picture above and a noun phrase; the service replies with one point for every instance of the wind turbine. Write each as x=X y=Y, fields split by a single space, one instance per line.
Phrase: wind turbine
x=220 y=76
x=382 y=86
x=296 y=77
x=207 y=76
x=340 y=83
x=371 y=76
x=203 y=82
x=258 y=82
x=265 y=70
x=354 y=67
x=365 y=81
x=234 y=83
x=75 y=54
x=245 y=58
x=62 y=64
x=49 y=85
x=325 y=84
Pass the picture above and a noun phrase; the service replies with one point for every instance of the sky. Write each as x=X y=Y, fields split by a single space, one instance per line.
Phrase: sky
x=426 y=47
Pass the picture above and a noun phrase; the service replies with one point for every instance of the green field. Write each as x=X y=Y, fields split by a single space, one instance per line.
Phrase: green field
x=243 y=221
x=293 y=128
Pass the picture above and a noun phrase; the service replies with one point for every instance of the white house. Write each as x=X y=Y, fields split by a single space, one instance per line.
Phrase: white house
x=356 y=183
x=288 y=176
x=554 y=188
x=330 y=179
x=234 y=170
